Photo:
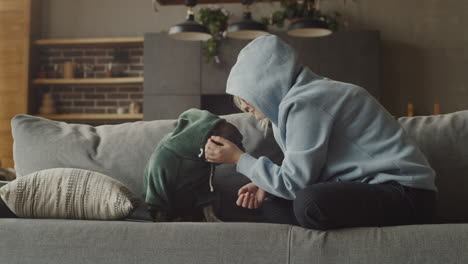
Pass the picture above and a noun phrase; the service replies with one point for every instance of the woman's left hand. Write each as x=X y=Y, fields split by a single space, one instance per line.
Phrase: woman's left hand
x=227 y=152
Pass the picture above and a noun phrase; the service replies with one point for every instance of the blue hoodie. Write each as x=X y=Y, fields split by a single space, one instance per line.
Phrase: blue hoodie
x=329 y=131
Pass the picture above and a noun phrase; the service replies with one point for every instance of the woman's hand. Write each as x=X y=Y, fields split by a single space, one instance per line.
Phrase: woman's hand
x=250 y=196
x=226 y=152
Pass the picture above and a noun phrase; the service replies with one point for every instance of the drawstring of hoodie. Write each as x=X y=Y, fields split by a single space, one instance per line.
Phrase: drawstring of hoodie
x=212 y=169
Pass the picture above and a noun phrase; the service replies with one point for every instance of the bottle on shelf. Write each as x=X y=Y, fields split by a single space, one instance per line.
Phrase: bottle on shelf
x=410 y=110
x=42 y=74
x=436 y=109
x=54 y=72
x=108 y=70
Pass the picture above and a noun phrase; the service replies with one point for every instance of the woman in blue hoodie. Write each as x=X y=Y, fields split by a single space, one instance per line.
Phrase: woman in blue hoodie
x=347 y=161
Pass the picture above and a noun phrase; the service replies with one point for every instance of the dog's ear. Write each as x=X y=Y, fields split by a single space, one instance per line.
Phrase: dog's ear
x=229 y=131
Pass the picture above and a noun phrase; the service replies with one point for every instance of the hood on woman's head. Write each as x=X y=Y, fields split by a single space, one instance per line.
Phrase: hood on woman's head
x=265 y=71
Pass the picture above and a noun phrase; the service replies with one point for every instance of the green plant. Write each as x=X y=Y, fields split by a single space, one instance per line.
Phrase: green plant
x=295 y=10
x=215 y=18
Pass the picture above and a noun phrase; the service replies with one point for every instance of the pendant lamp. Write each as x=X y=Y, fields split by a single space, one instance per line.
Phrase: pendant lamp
x=308 y=26
x=247 y=28
x=190 y=30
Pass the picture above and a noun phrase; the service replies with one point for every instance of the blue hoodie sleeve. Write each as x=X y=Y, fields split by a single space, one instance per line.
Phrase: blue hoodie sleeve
x=306 y=136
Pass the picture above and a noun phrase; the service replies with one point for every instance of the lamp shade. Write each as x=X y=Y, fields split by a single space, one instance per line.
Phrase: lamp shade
x=308 y=27
x=189 y=30
x=246 y=29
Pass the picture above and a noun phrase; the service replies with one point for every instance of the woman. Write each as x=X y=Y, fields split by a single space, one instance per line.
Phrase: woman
x=347 y=161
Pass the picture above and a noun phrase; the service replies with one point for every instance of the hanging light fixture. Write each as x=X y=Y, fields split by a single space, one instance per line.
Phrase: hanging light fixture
x=308 y=26
x=247 y=28
x=190 y=30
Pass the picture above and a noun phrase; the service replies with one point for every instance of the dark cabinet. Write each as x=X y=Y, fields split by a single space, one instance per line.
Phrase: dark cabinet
x=177 y=76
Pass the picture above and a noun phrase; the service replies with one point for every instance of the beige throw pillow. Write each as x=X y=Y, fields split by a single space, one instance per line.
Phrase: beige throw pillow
x=68 y=193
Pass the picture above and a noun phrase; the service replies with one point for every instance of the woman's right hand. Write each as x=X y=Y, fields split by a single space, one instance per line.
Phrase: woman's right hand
x=250 y=196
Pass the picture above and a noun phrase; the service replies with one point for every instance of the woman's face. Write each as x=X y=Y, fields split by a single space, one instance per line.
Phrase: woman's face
x=251 y=109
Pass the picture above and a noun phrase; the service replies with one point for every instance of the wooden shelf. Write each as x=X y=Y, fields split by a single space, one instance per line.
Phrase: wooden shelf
x=94 y=116
x=90 y=41
x=120 y=80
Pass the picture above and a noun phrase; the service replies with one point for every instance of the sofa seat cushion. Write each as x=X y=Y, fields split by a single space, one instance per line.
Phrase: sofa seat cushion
x=417 y=244
x=121 y=242
x=117 y=242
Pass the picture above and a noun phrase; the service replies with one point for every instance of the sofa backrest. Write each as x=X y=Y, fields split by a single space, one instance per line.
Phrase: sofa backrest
x=121 y=151
x=444 y=141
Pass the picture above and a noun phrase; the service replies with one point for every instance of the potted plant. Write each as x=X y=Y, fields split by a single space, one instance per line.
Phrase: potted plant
x=293 y=11
x=216 y=19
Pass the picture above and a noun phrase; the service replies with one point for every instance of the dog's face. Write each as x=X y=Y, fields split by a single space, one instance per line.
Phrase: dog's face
x=229 y=132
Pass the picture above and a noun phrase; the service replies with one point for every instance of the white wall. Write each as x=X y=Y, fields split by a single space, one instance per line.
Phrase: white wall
x=112 y=18
x=424 y=42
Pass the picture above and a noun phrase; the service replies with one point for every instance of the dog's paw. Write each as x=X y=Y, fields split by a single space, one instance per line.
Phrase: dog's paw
x=159 y=216
x=209 y=214
x=212 y=218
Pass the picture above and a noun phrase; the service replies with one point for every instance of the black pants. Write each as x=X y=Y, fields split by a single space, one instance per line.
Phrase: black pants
x=333 y=205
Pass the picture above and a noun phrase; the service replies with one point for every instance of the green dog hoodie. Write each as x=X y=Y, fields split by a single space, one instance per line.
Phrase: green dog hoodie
x=177 y=178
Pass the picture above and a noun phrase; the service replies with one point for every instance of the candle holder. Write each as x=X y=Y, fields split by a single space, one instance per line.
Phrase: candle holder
x=87 y=70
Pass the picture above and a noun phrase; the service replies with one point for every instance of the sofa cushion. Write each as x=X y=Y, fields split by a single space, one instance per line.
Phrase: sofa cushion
x=444 y=140
x=119 y=151
x=37 y=241
x=68 y=194
x=122 y=151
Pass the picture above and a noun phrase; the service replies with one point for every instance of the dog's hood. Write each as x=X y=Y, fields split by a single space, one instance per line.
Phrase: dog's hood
x=177 y=178
x=191 y=133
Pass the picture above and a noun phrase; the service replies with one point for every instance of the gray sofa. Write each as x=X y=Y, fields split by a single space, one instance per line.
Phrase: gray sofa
x=121 y=151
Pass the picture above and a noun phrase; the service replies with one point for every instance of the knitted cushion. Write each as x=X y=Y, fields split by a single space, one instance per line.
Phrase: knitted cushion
x=68 y=193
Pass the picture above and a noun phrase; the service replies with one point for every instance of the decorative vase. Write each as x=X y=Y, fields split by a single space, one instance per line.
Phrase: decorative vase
x=47 y=105
x=134 y=108
x=69 y=69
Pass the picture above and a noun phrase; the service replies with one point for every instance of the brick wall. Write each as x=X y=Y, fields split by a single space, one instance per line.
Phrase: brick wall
x=128 y=62
x=97 y=100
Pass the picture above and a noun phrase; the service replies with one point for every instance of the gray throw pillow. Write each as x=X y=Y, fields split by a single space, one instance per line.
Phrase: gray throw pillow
x=444 y=140
x=120 y=151
x=68 y=193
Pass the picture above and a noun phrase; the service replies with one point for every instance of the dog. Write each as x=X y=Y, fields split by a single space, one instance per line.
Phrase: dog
x=178 y=179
